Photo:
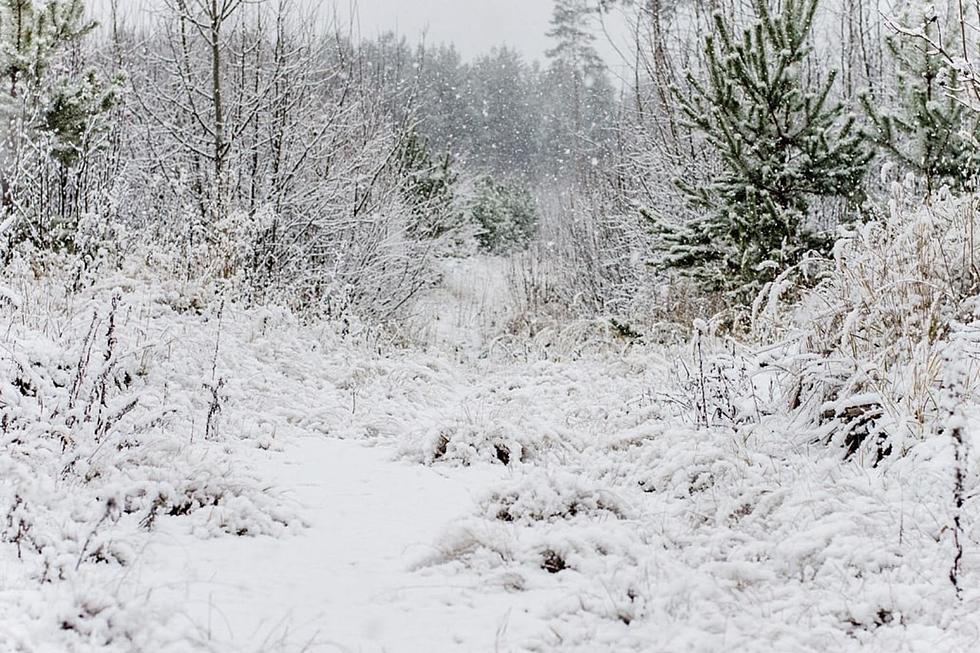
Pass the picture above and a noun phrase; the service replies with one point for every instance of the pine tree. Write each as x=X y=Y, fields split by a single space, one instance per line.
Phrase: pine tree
x=930 y=132
x=779 y=144
x=503 y=122
x=429 y=188
x=444 y=101
x=581 y=95
x=17 y=41
x=72 y=115
x=574 y=43
x=506 y=215
x=31 y=35
x=46 y=98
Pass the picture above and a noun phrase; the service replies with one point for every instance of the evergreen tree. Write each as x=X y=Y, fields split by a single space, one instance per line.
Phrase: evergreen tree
x=429 y=188
x=503 y=120
x=574 y=47
x=31 y=35
x=71 y=115
x=930 y=132
x=444 y=105
x=506 y=215
x=779 y=144
x=579 y=93
x=46 y=97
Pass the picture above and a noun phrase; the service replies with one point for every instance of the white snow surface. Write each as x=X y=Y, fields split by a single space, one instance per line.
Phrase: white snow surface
x=356 y=493
x=345 y=583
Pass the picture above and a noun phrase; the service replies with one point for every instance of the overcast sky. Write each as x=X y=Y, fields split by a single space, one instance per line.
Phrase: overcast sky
x=474 y=26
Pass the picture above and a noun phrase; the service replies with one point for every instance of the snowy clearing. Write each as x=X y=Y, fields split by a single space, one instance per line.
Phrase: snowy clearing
x=344 y=583
x=659 y=333
x=411 y=501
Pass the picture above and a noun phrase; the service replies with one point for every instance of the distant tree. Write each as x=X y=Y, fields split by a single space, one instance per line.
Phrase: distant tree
x=395 y=72
x=580 y=96
x=506 y=215
x=504 y=116
x=429 y=189
x=923 y=126
x=444 y=114
x=780 y=142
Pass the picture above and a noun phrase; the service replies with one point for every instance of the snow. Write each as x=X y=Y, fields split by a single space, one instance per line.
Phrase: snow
x=299 y=353
x=345 y=582
x=563 y=492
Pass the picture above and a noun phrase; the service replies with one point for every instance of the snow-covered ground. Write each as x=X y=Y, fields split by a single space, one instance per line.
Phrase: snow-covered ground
x=290 y=486
x=345 y=583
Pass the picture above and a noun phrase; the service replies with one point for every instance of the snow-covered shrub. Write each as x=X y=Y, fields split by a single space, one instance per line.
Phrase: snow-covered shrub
x=467 y=443
x=717 y=380
x=97 y=430
x=589 y=261
x=550 y=496
x=312 y=196
x=545 y=522
x=506 y=214
x=862 y=352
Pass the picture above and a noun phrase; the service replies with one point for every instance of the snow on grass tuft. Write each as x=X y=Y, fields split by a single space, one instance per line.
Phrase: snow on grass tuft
x=108 y=426
x=629 y=497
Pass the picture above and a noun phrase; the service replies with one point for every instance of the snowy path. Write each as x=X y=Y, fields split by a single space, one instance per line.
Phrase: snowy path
x=564 y=500
x=344 y=583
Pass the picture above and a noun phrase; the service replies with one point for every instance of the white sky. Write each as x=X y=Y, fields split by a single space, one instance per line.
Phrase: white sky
x=474 y=26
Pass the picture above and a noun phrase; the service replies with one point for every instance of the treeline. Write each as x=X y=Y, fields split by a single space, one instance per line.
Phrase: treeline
x=272 y=149
x=760 y=128
x=283 y=156
x=500 y=113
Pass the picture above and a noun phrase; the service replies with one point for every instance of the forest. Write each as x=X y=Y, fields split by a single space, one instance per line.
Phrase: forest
x=318 y=341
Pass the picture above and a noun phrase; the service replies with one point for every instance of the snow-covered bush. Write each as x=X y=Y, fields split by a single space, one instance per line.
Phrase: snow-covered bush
x=861 y=353
x=588 y=261
x=108 y=426
x=544 y=522
x=505 y=213
x=467 y=442
x=338 y=238
x=551 y=496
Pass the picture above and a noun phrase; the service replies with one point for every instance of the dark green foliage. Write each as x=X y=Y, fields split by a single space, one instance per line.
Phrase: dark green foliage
x=30 y=36
x=71 y=115
x=930 y=132
x=429 y=188
x=780 y=143
x=505 y=214
x=624 y=330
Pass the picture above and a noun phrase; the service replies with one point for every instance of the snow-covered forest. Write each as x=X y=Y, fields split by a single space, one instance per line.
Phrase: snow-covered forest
x=320 y=339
